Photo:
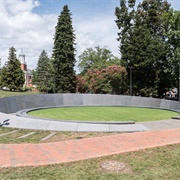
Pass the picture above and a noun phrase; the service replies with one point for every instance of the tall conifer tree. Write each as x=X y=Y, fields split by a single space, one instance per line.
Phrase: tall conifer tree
x=64 y=53
x=12 y=75
x=43 y=76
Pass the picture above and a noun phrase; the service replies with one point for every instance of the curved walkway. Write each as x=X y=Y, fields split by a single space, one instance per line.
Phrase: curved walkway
x=13 y=155
x=39 y=124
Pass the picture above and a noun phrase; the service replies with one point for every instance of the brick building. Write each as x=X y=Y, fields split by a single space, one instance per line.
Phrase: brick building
x=27 y=72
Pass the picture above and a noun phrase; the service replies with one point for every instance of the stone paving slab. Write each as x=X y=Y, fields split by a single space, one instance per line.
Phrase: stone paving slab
x=61 y=126
x=164 y=124
x=5 y=134
x=26 y=135
x=128 y=128
x=48 y=136
x=23 y=123
x=93 y=127
x=68 y=151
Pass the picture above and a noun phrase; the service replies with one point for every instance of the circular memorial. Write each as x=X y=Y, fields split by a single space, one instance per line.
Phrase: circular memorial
x=22 y=104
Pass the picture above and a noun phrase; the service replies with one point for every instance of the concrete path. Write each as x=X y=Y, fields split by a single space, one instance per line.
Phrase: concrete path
x=164 y=124
x=13 y=155
x=31 y=123
x=38 y=124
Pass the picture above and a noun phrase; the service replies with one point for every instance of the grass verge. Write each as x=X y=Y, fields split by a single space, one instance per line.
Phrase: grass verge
x=152 y=164
x=10 y=93
x=104 y=114
x=38 y=135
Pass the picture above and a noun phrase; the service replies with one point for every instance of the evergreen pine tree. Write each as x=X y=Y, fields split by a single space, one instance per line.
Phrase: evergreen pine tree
x=43 y=75
x=12 y=75
x=64 y=53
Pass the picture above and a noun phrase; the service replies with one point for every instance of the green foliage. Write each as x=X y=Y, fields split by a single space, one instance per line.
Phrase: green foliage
x=63 y=53
x=97 y=58
x=143 y=44
x=100 y=72
x=107 y=80
x=15 y=93
x=151 y=13
x=43 y=76
x=12 y=76
x=173 y=36
x=148 y=92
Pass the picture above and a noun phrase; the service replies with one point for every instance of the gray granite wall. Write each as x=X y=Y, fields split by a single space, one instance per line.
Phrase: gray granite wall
x=17 y=103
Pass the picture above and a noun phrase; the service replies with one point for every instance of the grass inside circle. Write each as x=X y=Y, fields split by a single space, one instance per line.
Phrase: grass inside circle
x=104 y=114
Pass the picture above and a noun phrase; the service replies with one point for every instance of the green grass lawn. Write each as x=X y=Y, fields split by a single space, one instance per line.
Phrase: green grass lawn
x=9 y=93
x=104 y=114
x=152 y=164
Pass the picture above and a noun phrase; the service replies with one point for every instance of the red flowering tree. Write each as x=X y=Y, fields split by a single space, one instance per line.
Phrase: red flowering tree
x=81 y=86
x=117 y=76
x=107 y=80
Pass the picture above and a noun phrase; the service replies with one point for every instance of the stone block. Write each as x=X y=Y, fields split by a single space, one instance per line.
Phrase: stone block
x=58 y=99
x=107 y=100
x=12 y=107
x=175 y=105
x=123 y=100
x=96 y=99
x=77 y=99
x=68 y=100
x=87 y=100
x=4 y=105
x=20 y=103
x=145 y=102
x=165 y=104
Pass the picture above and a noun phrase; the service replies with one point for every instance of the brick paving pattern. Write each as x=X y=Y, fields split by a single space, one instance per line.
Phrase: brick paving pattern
x=12 y=155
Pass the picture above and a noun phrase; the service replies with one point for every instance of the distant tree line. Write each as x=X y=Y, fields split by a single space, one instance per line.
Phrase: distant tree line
x=149 y=37
x=149 y=44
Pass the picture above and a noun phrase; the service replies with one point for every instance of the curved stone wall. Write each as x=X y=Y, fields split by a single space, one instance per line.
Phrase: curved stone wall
x=17 y=103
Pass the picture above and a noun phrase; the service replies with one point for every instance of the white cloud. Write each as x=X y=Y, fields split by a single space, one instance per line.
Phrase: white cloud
x=16 y=6
x=22 y=28
x=98 y=31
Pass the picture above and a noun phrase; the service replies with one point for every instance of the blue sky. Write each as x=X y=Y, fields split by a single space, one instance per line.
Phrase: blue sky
x=84 y=6
x=79 y=7
x=30 y=24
